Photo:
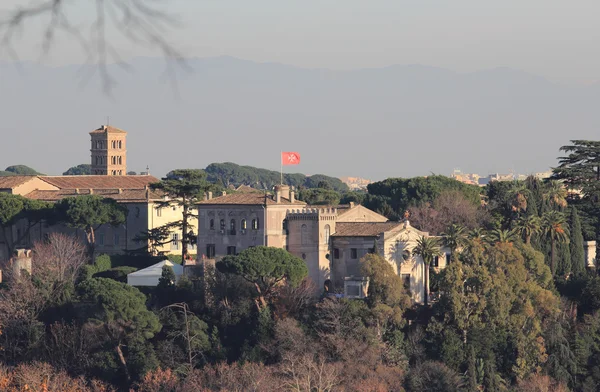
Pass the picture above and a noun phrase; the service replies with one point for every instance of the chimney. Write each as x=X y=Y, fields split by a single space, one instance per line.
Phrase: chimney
x=91 y=191
x=351 y=204
x=224 y=193
x=209 y=195
x=120 y=191
x=76 y=191
x=278 y=196
x=292 y=196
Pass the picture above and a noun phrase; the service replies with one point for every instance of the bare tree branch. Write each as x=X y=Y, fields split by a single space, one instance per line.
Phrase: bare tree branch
x=141 y=22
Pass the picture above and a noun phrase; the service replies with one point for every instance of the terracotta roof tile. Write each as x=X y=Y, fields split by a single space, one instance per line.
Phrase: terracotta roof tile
x=246 y=189
x=99 y=182
x=9 y=182
x=364 y=229
x=121 y=195
x=109 y=129
x=250 y=198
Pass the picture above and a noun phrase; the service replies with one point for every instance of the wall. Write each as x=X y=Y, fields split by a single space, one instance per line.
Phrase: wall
x=222 y=240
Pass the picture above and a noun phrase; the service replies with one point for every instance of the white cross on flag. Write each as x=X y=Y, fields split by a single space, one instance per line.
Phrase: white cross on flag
x=290 y=158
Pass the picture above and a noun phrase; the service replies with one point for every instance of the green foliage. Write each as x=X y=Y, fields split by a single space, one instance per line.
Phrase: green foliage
x=319 y=196
x=393 y=196
x=265 y=267
x=433 y=377
x=454 y=238
x=90 y=211
x=232 y=174
x=576 y=243
x=167 y=278
x=118 y=273
x=103 y=263
x=184 y=188
x=79 y=170
x=107 y=301
x=22 y=170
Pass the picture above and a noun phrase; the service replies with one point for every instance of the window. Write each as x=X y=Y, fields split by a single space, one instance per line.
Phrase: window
x=352 y=290
x=231 y=250
x=222 y=224
x=447 y=258
x=232 y=227
x=101 y=239
x=436 y=261
x=327 y=233
x=304 y=234
x=354 y=253
x=211 y=224
x=116 y=239
x=243 y=224
x=120 y=144
x=372 y=250
x=175 y=241
x=137 y=212
x=159 y=211
x=255 y=224
x=336 y=253
x=284 y=225
x=303 y=256
x=210 y=251
x=406 y=281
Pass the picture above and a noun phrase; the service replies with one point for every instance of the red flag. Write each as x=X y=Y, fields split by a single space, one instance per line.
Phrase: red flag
x=290 y=158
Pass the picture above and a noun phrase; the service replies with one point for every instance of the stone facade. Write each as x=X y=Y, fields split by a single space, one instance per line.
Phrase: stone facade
x=109 y=151
x=330 y=240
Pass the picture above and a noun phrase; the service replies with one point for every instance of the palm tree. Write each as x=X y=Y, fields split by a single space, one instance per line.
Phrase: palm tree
x=556 y=193
x=527 y=226
x=501 y=236
x=454 y=238
x=428 y=248
x=476 y=234
x=519 y=196
x=554 y=226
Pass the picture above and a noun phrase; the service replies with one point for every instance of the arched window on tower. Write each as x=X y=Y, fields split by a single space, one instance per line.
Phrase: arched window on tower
x=327 y=233
x=120 y=144
x=304 y=235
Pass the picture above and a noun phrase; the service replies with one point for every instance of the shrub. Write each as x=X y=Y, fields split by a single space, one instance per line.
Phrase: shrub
x=118 y=273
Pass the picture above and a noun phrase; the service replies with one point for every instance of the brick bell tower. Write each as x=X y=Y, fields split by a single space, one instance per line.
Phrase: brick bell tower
x=109 y=151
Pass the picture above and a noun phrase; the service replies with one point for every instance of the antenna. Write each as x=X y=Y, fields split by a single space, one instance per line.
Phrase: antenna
x=107 y=121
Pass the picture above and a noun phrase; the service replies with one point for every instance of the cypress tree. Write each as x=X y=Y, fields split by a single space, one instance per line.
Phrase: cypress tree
x=564 y=262
x=472 y=384
x=576 y=244
x=532 y=208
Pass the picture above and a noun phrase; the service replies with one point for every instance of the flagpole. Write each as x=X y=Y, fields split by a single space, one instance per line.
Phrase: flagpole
x=281 y=162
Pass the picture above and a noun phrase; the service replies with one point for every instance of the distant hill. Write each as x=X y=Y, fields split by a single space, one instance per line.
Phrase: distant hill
x=397 y=121
x=19 y=170
x=228 y=173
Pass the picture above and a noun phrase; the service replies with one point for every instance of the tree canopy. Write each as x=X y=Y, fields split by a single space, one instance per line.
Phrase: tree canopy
x=265 y=267
x=88 y=213
x=79 y=170
x=232 y=174
x=19 y=170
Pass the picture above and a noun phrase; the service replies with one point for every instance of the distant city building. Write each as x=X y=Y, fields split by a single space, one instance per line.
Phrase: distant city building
x=109 y=151
x=476 y=179
x=356 y=183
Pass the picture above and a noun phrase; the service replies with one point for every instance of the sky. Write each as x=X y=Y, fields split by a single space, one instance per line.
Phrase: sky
x=556 y=39
x=553 y=39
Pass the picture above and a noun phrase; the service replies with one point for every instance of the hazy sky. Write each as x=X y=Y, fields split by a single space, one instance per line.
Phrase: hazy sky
x=557 y=39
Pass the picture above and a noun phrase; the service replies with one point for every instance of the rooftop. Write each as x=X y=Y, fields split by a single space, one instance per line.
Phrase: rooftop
x=364 y=229
x=9 y=182
x=248 y=198
x=107 y=129
x=99 y=182
x=121 y=195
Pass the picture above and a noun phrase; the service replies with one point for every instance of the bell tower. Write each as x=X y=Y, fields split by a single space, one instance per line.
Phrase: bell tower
x=109 y=151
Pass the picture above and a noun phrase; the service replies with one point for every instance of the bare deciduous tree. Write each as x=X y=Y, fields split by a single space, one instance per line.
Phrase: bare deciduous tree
x=142 y=22
x=58 y=259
